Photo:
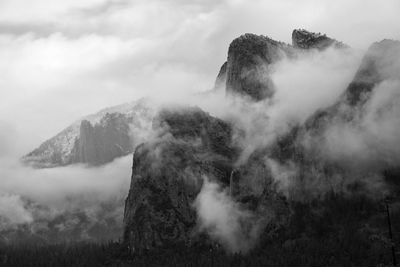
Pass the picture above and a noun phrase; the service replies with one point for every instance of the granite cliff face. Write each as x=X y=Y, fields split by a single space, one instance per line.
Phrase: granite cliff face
x=303 y=39
x=169 y=171
x=220 y=81
x=168 y=174
x=103 y=142
x=248 y=57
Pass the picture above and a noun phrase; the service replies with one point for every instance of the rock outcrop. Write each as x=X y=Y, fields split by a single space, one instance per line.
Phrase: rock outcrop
x=220 y=81
x=168 y=173
x=249 y=58
x=309 y=40
x=103 y=142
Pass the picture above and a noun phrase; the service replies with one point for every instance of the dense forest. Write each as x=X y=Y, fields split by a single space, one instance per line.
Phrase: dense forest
x=337 y=231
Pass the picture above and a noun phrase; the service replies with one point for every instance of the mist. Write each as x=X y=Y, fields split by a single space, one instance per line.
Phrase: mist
x=64 y=201
x=236 y=228
x=310 y=82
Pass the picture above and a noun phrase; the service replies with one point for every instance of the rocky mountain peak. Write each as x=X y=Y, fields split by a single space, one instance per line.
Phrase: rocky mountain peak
x=249 y=57
x=304 y=39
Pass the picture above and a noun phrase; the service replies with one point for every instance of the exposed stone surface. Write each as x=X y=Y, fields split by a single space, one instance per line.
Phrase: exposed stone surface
x=309 y=40
x=220 y=81
x=168 y=173
x=249 y=57
x=104 y=141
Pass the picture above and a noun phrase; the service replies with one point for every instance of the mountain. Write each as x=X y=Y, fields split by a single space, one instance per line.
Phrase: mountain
x=171 y=171
x=97 y=138
x=101 y=137
x=194 y=148
x=251 y=56
x=318 y=186
x=379 y=64
x=248 y=56
x=309 y=40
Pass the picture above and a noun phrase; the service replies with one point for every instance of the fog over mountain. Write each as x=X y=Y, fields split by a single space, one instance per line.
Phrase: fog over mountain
x=290 y=116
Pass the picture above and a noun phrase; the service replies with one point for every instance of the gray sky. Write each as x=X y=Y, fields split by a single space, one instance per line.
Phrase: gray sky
x=60 y=60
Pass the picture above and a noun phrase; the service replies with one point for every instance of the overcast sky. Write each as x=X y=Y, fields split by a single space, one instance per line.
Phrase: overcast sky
x=60 y=60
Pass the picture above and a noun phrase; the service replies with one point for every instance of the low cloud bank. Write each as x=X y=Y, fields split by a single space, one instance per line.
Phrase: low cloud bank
x=65 y=203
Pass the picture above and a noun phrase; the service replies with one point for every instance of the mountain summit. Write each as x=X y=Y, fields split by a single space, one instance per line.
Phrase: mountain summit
x=309 y=40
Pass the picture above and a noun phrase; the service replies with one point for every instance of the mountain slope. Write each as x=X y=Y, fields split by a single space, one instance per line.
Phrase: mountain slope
x=95 y=139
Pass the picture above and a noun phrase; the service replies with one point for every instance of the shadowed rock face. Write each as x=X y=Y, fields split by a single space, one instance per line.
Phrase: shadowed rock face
x=167 y=175
x=249 y=57
x=309 y=40
x=220 y=81
x=102 y=142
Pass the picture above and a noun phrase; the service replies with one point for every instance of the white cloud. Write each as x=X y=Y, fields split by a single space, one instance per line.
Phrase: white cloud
x=12 y=212
x=224 y=219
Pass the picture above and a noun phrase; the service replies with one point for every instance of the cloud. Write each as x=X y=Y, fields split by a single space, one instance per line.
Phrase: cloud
x=311 y=81
x=224 y=219
x=12 y=212
x=53 y=185
x=370 y=140
x=65 y=203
